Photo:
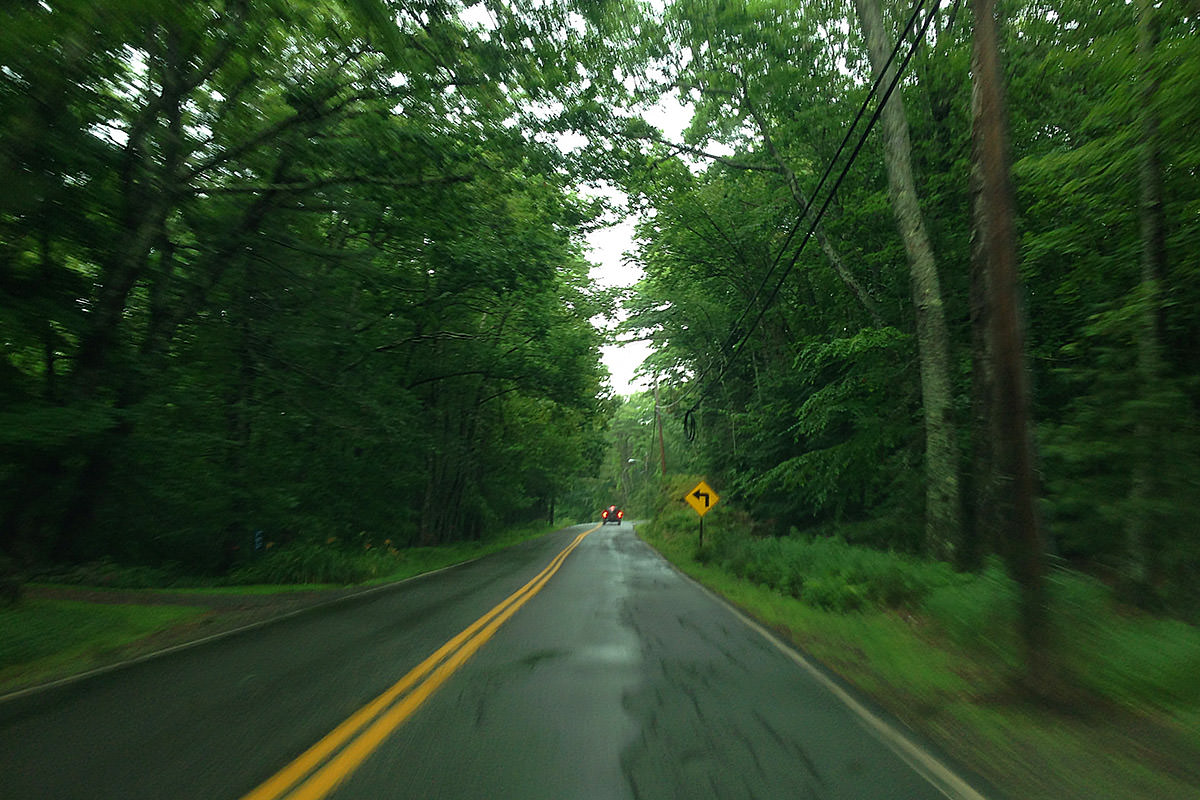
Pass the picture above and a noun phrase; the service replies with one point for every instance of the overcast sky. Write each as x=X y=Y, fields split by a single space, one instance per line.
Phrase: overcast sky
x=608 y=248
x=612 y=269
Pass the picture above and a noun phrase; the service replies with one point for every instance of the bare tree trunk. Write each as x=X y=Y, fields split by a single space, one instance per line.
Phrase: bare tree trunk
x=943 y=512
x=1140 y=526
x=982 y=532
x=1010 y=404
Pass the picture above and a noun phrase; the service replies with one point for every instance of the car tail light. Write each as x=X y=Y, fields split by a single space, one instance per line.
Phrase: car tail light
x=620 y=515
x=604 y=514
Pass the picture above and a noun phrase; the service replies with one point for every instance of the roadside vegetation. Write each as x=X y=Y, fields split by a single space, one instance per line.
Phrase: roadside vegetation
x=41 y=640
x=296 y=566
x=282 y=275
x=938 y=649
x=77 y=618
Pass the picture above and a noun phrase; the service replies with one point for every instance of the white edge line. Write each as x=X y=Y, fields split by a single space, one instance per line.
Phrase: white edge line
x=932 y=769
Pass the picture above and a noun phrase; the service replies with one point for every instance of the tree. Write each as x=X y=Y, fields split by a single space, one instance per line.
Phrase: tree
x=303 y=252
x=943 y=509
x=1010 y=405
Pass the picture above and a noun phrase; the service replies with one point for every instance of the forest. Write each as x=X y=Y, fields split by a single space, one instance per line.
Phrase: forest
x=284 y=272
x=315 y=272
x=849 y=387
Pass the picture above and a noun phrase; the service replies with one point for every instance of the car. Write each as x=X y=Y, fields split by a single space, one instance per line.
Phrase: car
x=611 y=514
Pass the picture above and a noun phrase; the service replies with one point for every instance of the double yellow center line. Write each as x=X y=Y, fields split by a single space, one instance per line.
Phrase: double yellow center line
x=320 y=769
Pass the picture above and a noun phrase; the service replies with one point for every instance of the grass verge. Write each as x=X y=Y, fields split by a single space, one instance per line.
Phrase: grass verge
x=331 y=564
x=42 y=639
x=47 y=638
x=959 y=696
x=419 y=560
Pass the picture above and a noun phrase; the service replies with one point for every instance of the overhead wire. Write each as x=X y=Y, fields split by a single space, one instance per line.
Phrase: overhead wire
x=738 y=338
x=845 y=170
x=862 y=109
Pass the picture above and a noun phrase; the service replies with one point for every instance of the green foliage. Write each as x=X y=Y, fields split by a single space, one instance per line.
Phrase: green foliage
x=310 y=562
x=106 y=573
x=1137 y=661
x=979 y=613
x=1101 y=647
x=829 y=573
x=1122 y=655
x=44 y=634
x=38 y=427
x=814 y=422
x=1119 y=419
x=289 y=269
x=849 y=435
x=825 y=572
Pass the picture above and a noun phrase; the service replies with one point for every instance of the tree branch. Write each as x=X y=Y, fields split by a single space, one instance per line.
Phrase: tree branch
x=680 y=147
x=344 y=180
x=835 y=258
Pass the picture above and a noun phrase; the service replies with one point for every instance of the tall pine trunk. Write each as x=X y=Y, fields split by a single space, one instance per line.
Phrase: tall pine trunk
x=1139 y=530
x=982 y=533
x=1010 y=418
x=943 y=511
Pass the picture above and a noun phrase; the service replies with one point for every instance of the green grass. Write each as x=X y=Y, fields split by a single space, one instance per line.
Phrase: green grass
x=316 y=565
x=827 y=573
x=38 y=638
x=197 y=590
x=943 y=661
x=296 y=567
x=252 y=589
x=419 y=560
x=41 y=639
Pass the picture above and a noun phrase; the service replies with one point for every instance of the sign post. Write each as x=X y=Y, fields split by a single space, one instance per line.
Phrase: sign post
x=701 y=499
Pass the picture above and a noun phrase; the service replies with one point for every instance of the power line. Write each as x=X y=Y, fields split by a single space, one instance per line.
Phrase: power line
x=845 y=170
x=740 y=339
x=862 y=109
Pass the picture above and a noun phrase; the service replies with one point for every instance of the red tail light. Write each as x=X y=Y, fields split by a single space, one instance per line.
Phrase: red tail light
x=620 y=515
x=604 y=514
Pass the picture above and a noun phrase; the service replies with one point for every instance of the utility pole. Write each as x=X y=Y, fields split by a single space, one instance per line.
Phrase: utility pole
x=1012 y=436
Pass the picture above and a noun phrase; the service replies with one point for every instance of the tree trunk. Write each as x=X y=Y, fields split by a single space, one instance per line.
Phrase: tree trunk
x=1013 y=444
x=1140 y=525
x=152 y=189
x=943 y=513
x=981 y=534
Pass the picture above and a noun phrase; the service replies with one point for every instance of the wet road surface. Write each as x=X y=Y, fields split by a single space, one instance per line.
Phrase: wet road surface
x=612 y=677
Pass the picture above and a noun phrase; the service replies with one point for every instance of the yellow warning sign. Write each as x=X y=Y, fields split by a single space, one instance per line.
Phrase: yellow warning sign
x=702 y=498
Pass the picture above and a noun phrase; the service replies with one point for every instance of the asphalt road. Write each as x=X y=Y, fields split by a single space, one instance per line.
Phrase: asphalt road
x=611 y=677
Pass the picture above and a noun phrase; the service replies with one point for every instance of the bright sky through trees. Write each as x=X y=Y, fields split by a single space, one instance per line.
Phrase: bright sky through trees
x=613 y=269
